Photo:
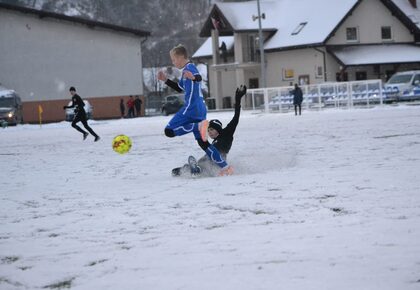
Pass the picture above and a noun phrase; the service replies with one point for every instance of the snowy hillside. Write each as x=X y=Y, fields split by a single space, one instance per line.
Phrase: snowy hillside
x=328 y=200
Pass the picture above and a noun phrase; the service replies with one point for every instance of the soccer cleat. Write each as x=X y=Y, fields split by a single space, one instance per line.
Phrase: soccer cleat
x=97 y=138
x=194 y=168
x=85 y=135
x=226 y=171
x=203 y=126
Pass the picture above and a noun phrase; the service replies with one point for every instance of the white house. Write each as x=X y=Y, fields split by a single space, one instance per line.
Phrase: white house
x=42 y=54
x=307 y=42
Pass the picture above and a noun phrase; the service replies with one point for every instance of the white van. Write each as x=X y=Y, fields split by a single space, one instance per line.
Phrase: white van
x=403 y=86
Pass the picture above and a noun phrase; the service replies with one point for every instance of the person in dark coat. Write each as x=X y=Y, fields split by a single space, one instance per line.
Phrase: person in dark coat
x=122 y=108
x=80 y=114
x=137 y=105
x=297 y=99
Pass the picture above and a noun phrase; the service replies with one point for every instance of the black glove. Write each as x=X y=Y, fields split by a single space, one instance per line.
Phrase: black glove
x=64 y=107
x=240 y=92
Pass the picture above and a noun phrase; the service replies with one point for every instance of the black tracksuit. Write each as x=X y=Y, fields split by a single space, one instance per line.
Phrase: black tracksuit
x=79 y=115
x=223 y=143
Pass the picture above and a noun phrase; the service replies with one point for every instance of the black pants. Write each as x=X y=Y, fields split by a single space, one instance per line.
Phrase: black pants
x=138 y=111
x=81 y=117
x=300 y=108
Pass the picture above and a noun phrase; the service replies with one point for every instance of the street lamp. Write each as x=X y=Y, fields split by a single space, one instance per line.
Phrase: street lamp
x=261 y=40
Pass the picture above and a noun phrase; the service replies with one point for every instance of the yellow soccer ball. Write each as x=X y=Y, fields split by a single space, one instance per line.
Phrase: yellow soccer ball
x=121 y=144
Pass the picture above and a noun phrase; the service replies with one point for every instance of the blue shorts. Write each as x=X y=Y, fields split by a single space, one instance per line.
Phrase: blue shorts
x=182 y=125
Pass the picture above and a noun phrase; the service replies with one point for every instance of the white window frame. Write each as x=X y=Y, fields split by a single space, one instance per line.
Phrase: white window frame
x=357 y=35
x=319 y=71
x=387 y=39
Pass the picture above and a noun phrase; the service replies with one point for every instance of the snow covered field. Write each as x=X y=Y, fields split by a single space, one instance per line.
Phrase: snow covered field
x=328 y=200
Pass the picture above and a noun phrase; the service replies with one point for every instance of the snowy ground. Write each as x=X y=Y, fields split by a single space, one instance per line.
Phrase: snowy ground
x=328 y=200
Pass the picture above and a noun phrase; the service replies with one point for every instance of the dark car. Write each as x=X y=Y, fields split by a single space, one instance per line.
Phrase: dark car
x=10 y=107
x=172 y=104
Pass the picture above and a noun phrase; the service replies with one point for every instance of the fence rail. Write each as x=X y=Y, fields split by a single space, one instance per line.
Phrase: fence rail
x=335 y=95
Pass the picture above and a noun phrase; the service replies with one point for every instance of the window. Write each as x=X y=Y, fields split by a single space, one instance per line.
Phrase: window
x=253 y=83
x=303 y=80
x=352 y=34
x=319 y=72
x=400 y=79
x=386 y=33
x=361 y=76
x=342 y=77
x=251 y=49
x=299 y=28
x=416 y=80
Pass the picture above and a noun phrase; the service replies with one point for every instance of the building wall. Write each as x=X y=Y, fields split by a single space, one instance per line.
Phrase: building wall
x=333 y=67
x=42 y=57
x=302 y=61
x=103 y=107
x=228 y=85
x=369 y=17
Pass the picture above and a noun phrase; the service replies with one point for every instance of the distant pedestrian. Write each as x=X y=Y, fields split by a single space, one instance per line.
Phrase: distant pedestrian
x=137 y=105
x=80 y=114
x=122 y=108
x=130 y=106
x=297 y=99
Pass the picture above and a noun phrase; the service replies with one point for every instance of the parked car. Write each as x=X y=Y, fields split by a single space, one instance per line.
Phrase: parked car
x=10 y=107
x=70 y=112
x=401 y=85
x=172 y=104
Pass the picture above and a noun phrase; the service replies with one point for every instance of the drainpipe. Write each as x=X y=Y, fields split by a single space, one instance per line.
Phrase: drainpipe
x=324 y=61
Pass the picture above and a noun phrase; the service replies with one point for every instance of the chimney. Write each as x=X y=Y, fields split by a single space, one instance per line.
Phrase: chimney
x=413 y=3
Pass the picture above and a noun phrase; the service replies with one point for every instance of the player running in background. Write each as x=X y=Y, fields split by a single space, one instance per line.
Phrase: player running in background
x=80 y=114
x=222 y=141
x=191 y=117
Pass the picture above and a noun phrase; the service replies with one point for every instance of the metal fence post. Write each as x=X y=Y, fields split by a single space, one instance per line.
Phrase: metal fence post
x=253 y=100
x=380 y=93
x=266 y=105
x=319 y=96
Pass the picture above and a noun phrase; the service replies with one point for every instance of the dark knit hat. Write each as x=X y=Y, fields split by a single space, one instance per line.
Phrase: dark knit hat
x=216 y=125
x=72 y=89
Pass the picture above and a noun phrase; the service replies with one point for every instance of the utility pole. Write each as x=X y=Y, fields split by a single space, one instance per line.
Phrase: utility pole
x=261 y=40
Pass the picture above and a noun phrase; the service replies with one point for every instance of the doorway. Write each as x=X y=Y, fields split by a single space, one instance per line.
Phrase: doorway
x=254 y=83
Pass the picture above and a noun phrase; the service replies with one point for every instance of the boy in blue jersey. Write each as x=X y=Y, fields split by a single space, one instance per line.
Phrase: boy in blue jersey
x=191 y=118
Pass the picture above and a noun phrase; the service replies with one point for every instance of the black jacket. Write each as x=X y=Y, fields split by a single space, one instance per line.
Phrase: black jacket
x=77 y=104
x=297 y=96
x=224 y=141
x=137 y=103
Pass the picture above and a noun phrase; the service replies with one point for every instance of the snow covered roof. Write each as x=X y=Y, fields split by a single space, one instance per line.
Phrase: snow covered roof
x=206 y=49
x=412 y=13
x=317 y=20
x=377 y=54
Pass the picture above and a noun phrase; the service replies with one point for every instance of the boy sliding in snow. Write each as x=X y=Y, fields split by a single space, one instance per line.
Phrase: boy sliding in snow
x=192 y=115
x=222 y=140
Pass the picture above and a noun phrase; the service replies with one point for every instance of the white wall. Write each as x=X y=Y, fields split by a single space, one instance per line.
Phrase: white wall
x=369 y=17
x=228 y=83
x=42 y=58
x=302 y=61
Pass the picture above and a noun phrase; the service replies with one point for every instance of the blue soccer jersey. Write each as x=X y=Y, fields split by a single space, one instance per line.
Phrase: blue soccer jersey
x=194 y=106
